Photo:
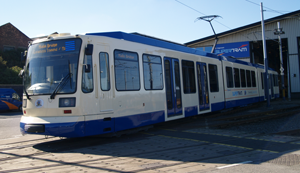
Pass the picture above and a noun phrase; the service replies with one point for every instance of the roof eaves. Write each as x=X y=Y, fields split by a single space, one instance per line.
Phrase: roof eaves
x=244 y=27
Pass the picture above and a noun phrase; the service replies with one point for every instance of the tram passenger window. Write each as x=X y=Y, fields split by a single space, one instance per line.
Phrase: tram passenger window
x=87 y=84
x=104 y=71
x=127 y=71
x=188 y=75
x=248 y=78
x=153 y=77
x=213 y=78
x=253 y=77
x=243 y=78
x=237 y=82
x=229 y=77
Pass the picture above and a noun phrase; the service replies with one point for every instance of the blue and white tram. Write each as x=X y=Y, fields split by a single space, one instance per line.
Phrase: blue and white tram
x=99 y=83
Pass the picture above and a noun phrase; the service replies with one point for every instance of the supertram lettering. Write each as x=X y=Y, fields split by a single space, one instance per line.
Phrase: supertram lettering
x=237 y=93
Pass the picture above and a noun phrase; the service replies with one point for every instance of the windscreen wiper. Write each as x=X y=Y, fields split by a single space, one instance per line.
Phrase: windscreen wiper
x=21 y=74
x=26 y=93
x=61 y=84
x=70 y=73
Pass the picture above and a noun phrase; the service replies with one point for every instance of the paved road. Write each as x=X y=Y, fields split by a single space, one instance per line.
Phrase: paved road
x=9 y=125
x=165 y=148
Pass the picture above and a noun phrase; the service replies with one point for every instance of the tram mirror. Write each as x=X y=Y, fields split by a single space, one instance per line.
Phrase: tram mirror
x=23 y=55
x=87 y=68
x=89 y=49
x=21 y=74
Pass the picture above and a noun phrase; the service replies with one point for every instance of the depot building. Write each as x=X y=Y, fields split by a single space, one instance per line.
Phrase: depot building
x=245 y=43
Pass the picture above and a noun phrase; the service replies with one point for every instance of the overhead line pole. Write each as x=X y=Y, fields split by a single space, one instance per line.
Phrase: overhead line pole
x=278 y=32
x=265 y=56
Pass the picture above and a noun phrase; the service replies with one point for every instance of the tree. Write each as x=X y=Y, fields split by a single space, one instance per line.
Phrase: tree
x=10 y=66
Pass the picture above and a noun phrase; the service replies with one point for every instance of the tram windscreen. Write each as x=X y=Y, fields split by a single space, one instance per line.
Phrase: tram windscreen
x=49 y=63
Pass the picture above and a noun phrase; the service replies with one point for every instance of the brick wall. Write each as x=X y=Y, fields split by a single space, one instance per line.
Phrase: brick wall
x=12 y=36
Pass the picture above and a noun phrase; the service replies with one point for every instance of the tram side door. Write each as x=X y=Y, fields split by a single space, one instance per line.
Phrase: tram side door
x=173 y=87
x=203 y=93
x=104 y=80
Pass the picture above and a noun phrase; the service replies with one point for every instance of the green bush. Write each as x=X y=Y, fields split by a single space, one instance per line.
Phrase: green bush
x=10 y=66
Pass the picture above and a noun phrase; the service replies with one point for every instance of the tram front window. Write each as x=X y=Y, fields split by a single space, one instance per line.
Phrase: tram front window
x=50 y=64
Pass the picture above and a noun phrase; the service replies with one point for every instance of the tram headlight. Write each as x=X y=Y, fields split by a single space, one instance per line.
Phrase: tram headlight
x=24 y=103
x=67 y=102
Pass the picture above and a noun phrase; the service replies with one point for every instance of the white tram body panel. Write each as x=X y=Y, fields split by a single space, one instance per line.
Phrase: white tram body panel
x=108 y=82
x=241 y=87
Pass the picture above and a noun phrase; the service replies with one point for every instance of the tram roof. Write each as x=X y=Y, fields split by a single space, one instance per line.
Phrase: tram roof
x=148 y=40
x=152 y=41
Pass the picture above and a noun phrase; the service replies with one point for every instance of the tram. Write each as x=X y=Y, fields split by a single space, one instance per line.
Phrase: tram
x=9 y=100
x=99 y=83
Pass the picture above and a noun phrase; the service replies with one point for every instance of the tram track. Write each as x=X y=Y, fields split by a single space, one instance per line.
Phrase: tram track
x=203 y=120
x=47 y=147
x=47 y=150
x=86 y=162
x=230 y=118
x=233 y=111
x=90 y=162
x=255 y=117
x=213 y=122
x=23 y=144
x=34 y=155
x=68 y=145
x=295 y=132
x=13 y=143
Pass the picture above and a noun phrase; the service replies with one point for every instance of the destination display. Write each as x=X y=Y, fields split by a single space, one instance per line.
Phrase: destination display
x=125 y=55
x=55 y=47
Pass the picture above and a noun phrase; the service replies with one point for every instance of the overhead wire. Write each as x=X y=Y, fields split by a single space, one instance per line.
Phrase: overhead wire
x=205 y=14
x=201 y=13
x=224 y=24
x=264 y=7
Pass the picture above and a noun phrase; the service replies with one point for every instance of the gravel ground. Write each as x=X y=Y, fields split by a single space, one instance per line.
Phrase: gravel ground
x=271 y=126
x=275 y=125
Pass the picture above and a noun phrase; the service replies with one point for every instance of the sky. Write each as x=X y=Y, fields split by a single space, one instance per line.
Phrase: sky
x=173 y=20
